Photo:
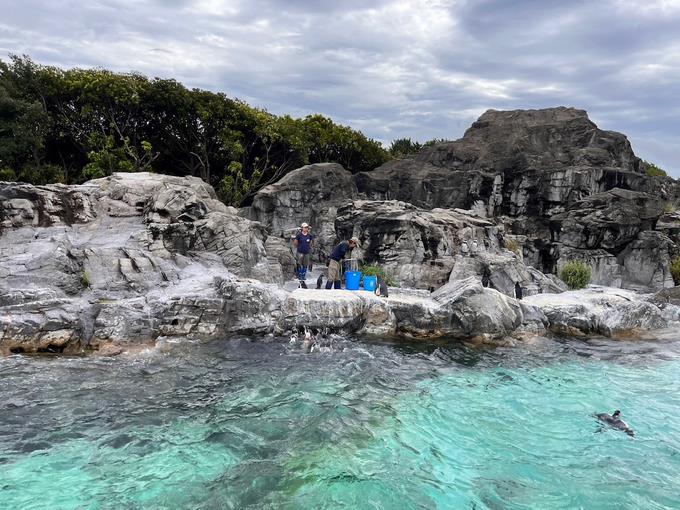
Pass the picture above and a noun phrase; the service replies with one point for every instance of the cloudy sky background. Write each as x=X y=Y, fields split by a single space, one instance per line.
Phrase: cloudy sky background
x=391 y=68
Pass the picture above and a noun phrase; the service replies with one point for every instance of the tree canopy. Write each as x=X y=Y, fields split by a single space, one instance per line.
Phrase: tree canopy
x=77 y=124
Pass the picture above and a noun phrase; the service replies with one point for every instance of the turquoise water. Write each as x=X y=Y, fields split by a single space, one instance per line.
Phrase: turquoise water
x=244 y=423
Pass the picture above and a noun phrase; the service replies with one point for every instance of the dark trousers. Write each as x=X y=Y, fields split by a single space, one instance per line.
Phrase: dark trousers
x=337 y=284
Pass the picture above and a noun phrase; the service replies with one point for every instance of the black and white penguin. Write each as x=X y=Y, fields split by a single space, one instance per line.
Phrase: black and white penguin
x=319 y=281
x=381 y=289
x=615 y=421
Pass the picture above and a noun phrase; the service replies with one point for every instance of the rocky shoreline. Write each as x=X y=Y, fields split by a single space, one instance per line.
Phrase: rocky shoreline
x=131 y=258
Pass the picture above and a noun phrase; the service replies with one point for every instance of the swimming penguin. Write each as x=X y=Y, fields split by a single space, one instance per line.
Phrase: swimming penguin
x=319 y=281
x=615 y=421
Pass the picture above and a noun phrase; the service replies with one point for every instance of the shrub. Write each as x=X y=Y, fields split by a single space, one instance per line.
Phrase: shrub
x=675 y=270
x=7 y=174
x=376 y=270
x=669 y=208
x=654 y=171
x=85 y=279
x=576 y=274
x=512 y=245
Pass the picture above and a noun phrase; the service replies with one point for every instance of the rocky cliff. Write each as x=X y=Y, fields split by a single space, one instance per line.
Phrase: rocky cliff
x=549 y=184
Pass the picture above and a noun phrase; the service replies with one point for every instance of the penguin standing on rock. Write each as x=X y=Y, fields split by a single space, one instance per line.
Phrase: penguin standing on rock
x=381 y=289
x=319 y=281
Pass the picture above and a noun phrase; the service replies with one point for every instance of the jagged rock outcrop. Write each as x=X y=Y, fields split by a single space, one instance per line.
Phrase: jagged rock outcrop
x=522 y=162
x=427 y=248
x=542 y=173
x=613 y=233
x=125 y=260
x=111 y=260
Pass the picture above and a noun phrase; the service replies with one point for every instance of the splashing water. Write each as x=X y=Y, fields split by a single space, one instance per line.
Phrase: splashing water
x=247 y=423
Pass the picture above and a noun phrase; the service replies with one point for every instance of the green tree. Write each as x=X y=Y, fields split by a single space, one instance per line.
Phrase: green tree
x=402 y=147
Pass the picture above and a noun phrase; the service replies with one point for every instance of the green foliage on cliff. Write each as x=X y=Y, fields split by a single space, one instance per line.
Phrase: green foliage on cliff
x=654 y=171
x=675 y=270
x=576 y=274
x=72 y=125
x=402 y=147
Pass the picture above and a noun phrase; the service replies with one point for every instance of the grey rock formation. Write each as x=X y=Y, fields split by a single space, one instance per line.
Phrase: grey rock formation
x=556 y=181
x=427 y=248
x=131 y=258
x=613 y=233
x=461 y=309
x=119 y=260
x=523 y=162
x=603 y=311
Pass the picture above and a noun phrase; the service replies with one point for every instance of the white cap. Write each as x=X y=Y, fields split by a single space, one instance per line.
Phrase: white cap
x=305 y=225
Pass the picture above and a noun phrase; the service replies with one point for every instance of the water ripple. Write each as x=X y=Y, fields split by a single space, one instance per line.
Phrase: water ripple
x=368 y=423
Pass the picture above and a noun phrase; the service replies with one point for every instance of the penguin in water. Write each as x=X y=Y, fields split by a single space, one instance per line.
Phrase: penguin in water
x=615 y=421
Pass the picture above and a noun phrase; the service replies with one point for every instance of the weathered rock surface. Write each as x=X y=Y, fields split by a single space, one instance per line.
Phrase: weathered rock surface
x=603 y=311
x=122 y=259
x=133 y=258
x=427 y=248
x=522 y=162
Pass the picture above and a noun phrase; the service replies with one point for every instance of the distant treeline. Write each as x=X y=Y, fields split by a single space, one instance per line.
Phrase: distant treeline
x=73 y=125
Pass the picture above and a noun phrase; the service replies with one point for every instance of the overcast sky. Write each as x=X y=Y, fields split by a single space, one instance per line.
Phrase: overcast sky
x=391 y=68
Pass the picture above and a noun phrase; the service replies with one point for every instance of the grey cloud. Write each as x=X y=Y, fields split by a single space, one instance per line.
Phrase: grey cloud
x=421 y=69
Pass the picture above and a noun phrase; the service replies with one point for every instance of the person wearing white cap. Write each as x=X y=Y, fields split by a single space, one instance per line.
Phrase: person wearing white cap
x=303 y=242
x=336 y=256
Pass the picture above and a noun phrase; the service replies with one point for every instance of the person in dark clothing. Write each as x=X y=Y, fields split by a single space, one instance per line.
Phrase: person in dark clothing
x=303 y=242
x=336 y=256
x=518 y=290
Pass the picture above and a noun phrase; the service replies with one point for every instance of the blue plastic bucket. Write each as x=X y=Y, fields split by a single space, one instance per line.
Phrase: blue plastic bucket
x=352 y=279
x=370 y=283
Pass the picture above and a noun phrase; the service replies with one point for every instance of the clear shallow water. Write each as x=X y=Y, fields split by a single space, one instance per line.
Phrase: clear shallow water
x=248 y=424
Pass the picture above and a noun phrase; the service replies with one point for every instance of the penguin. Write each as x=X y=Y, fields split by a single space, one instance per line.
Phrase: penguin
x=381 y=289
x=615 y=421
x=319 y=281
